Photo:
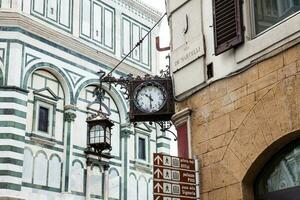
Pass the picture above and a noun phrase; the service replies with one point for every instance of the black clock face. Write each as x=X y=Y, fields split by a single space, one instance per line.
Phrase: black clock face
x=150 y=97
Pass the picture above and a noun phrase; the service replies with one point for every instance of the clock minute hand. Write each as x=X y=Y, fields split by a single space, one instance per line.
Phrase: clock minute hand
x=150 y=97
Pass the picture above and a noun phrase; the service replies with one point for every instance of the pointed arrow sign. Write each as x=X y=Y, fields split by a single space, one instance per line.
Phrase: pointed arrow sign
x=158 y=159
x=158 y=173
x=158 y=186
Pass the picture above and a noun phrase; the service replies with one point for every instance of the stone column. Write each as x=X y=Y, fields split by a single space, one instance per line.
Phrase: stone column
x=88 y=179
x=125 y=135
x=106 y=182
x=69 y=118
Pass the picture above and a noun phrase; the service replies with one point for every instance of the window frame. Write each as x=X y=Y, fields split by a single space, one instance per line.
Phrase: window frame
x=141 y=27
x=44 y=16
x=146 y=138
x=276 y=158
x=142 y=151
x=51 y=106
x=252 y=23
x=90 y=37
x=39 y=121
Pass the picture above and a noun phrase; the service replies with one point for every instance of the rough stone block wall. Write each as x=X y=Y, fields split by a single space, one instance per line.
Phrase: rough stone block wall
x=239 y=122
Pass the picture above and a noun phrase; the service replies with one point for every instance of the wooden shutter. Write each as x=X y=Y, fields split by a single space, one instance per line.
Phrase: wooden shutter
x=228 y=23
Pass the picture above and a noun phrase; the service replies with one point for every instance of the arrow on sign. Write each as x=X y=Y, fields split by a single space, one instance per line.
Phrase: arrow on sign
x=158 y=186
x=157 y=159
x=158 y=172
x=157 y=198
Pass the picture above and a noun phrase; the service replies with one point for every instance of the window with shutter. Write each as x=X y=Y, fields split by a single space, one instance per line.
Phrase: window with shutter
x=228 y=24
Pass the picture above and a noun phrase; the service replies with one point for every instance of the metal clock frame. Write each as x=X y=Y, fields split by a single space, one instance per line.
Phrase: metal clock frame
x=145 y=84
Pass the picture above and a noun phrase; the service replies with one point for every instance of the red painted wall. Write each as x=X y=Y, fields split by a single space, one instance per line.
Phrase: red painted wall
x=182 y=141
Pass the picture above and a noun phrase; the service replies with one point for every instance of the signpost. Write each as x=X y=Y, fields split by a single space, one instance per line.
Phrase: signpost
x=174 y=178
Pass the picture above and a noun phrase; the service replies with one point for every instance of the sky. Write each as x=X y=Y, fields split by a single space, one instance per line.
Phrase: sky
x=164 y=29
x=164 y=41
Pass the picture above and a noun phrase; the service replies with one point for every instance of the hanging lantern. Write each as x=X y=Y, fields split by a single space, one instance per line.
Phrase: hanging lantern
x=99 y=132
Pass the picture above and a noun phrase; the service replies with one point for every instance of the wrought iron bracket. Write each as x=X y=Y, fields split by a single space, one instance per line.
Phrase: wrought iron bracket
x=165 y=127
x=123 y=82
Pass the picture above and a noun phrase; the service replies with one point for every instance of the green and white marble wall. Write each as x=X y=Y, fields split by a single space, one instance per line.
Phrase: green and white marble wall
x=13 y=109
x=50 y=53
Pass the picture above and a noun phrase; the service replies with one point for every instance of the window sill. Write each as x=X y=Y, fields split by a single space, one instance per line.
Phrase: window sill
x=271 y=39
x=141 y=164
x=42 y=139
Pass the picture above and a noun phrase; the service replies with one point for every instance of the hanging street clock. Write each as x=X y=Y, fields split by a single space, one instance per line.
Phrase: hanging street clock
x=151 y=99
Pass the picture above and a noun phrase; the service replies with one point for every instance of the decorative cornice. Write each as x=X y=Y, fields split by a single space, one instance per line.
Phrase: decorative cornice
x=26 y=23
x=69 y=116
x=181 y=116
x=125 y=133
x=145 y=11
x=41 y=140
x=13 y=88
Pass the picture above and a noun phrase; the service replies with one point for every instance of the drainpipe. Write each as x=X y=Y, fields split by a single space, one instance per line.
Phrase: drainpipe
x=158 y=48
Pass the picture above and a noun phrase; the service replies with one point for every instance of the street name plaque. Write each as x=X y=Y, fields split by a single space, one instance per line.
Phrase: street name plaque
x=174 y=178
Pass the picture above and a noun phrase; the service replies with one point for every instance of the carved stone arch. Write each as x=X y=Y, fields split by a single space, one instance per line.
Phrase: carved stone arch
x=40 y=168
x=28 y=164
x=114 y=183
x=58 y=73
x=270 y=124
x=55 y=155
x=142 y=187
x=93 y=165
x=54 y=171
x=115 y=170
x=133 y=189
x=115 y=95
x=132 y=174
x=143 y=177
x=29 y=149
x=78 y=161
x=78 y=175
x=42 y=152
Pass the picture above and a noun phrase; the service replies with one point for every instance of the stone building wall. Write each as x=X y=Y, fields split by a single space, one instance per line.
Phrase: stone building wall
x=239 y=122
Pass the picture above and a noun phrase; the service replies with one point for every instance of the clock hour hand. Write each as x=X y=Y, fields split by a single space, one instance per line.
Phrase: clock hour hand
x=150 y=97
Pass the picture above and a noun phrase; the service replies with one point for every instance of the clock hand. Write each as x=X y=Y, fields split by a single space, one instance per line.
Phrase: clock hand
x=150 y=104
x=150 y=97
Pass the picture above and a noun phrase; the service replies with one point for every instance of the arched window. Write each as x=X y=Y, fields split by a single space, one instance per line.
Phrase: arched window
x=280 y=177
x=40 y=169
x=27 y=166
x=132 y=189
x=114 y=184
x=142 y=185
x=54 y=172
x=96 y=181
x=150 y=189
x=45 y=99
x=77 y=177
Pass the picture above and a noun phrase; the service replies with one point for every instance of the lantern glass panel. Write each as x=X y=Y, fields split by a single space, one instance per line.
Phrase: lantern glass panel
x=96 y=133
x=108 y=135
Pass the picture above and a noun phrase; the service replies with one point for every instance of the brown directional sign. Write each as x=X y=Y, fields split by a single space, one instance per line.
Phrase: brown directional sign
x=174 y=178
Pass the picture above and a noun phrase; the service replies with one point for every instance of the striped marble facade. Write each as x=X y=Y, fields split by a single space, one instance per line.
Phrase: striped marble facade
x=50 y=53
